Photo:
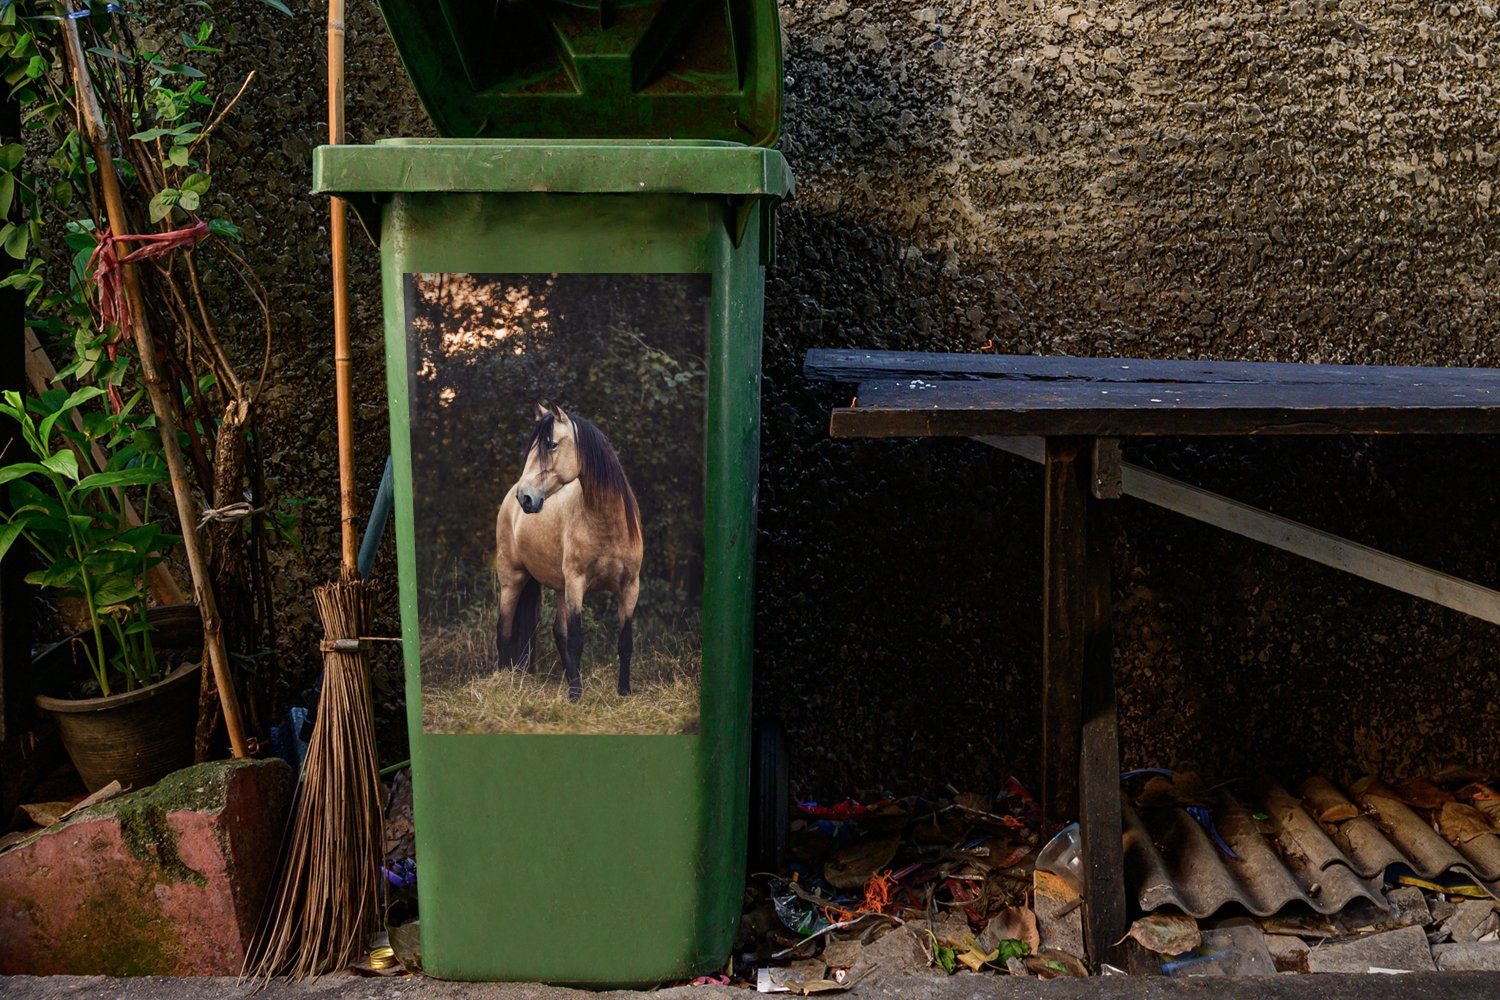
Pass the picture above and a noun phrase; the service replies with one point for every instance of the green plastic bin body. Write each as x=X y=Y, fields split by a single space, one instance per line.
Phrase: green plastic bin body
x=585 y=859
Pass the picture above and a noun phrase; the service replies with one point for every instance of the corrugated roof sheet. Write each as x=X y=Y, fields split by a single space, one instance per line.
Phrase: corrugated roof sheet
x=1324 y=848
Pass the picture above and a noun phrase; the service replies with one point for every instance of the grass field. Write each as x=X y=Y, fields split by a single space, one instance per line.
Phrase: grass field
x=463 y=692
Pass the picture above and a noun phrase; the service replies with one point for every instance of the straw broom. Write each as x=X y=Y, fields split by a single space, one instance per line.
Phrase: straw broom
x=327 y=901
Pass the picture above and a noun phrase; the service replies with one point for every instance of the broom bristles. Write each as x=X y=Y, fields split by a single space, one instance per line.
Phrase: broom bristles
x=327 y=896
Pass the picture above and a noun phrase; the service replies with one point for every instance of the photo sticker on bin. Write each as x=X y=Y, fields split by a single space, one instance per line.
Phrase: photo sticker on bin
x=558 y=463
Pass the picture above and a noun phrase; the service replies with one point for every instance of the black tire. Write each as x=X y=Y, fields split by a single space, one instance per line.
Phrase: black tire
x=770 y=797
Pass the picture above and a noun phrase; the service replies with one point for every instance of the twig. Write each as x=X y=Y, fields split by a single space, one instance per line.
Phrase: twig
x=203 y=134
x=838 y=927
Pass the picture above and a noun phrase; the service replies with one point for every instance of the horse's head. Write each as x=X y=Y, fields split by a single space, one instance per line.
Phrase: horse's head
x=551 y=458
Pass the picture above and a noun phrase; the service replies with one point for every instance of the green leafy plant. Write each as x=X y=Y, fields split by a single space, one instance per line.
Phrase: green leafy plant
x=151 y=73
x=75 y=517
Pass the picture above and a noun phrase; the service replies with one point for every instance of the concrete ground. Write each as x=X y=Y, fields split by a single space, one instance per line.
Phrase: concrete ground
x=1416 y=986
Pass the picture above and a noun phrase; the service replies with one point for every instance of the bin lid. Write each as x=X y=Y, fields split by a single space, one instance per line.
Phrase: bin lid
x=593 y=69
x=627 y=166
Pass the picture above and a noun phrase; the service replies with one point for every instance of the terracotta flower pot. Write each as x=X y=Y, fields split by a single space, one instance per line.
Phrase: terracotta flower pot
x=136 y=737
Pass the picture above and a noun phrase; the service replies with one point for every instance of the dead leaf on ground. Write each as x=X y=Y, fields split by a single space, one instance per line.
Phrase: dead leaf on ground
x=1460 y=824
x=852 y=866
x=1484 y=798
x=1183 y=788
x=1371 y=787
x=1054 y=964
x=1338 y=812
x=1055 y=886
x=812 y=986
x=1166 y=933
x=1014 y=923
x=49 y=813
x=45 y=813
x=1423 y=794
x=1458 y=774
x=104 y=794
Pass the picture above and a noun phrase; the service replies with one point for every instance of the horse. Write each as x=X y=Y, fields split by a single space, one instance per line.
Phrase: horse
x=570 y=523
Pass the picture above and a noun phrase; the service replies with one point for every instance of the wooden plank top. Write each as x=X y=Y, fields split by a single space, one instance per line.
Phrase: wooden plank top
x=904 y=394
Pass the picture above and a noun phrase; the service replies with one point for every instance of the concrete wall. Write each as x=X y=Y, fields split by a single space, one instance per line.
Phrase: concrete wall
x=1298 y=181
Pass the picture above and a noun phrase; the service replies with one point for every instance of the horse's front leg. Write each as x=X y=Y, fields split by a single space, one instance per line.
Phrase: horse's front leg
x=626 y=642
x=567 y=629
x=512 y=583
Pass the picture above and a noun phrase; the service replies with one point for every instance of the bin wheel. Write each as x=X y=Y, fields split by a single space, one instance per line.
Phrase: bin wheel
x=770 y=793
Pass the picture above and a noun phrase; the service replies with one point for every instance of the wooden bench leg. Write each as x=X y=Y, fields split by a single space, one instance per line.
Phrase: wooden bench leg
x=1080 y=734
x=1100 y=826
x=1064 y=587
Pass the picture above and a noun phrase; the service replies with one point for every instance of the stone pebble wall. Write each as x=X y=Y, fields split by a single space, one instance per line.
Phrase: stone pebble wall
x=1298 y=181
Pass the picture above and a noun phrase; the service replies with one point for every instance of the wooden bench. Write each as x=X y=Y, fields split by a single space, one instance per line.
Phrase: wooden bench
x=1069 y=414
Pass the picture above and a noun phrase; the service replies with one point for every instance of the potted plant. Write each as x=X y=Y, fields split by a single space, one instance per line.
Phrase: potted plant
x=125 y=702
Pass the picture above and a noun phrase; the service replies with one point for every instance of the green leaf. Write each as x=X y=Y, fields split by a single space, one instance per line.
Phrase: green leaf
x=7 y=192
x=153 y=133
x=77 y=398
x=122 y=477
x=104 y=51
x=947 y=958
x=17 y=240
x=161 y=205
x=79 y=235
x=59 y=574
x=1011 y=948
x=11 y=155
x=198 y=183
x=115 y=592
x=225 y=228
x=277 y=5
x=188 y=201
x=9 y=532
x=145 y=441
x=177 y=156
x=20 y=469
x=64 y=463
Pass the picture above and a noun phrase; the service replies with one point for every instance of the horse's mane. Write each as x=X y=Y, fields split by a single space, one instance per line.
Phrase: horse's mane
x=600 y=473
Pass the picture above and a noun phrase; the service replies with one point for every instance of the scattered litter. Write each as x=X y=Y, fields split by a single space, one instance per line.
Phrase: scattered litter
x=892 y=885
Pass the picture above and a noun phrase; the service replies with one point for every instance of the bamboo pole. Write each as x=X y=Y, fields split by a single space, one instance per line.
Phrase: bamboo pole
x=161 y=402
x=40 y=372
x=343 y=360
x=328 y=899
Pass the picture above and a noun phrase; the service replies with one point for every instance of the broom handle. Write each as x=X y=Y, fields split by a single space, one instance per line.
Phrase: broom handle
x=343 y=361
x=187 y=518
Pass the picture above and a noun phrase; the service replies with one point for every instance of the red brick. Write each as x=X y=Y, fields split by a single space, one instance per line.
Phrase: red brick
x=166 y=881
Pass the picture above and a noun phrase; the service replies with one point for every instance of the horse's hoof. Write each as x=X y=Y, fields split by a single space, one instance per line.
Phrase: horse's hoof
x=575 y=694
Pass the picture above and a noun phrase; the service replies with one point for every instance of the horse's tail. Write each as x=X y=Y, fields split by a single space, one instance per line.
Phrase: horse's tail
x=520 y=651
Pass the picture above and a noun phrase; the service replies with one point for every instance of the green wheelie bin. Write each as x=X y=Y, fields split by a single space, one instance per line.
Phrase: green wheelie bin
x=573 y=285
